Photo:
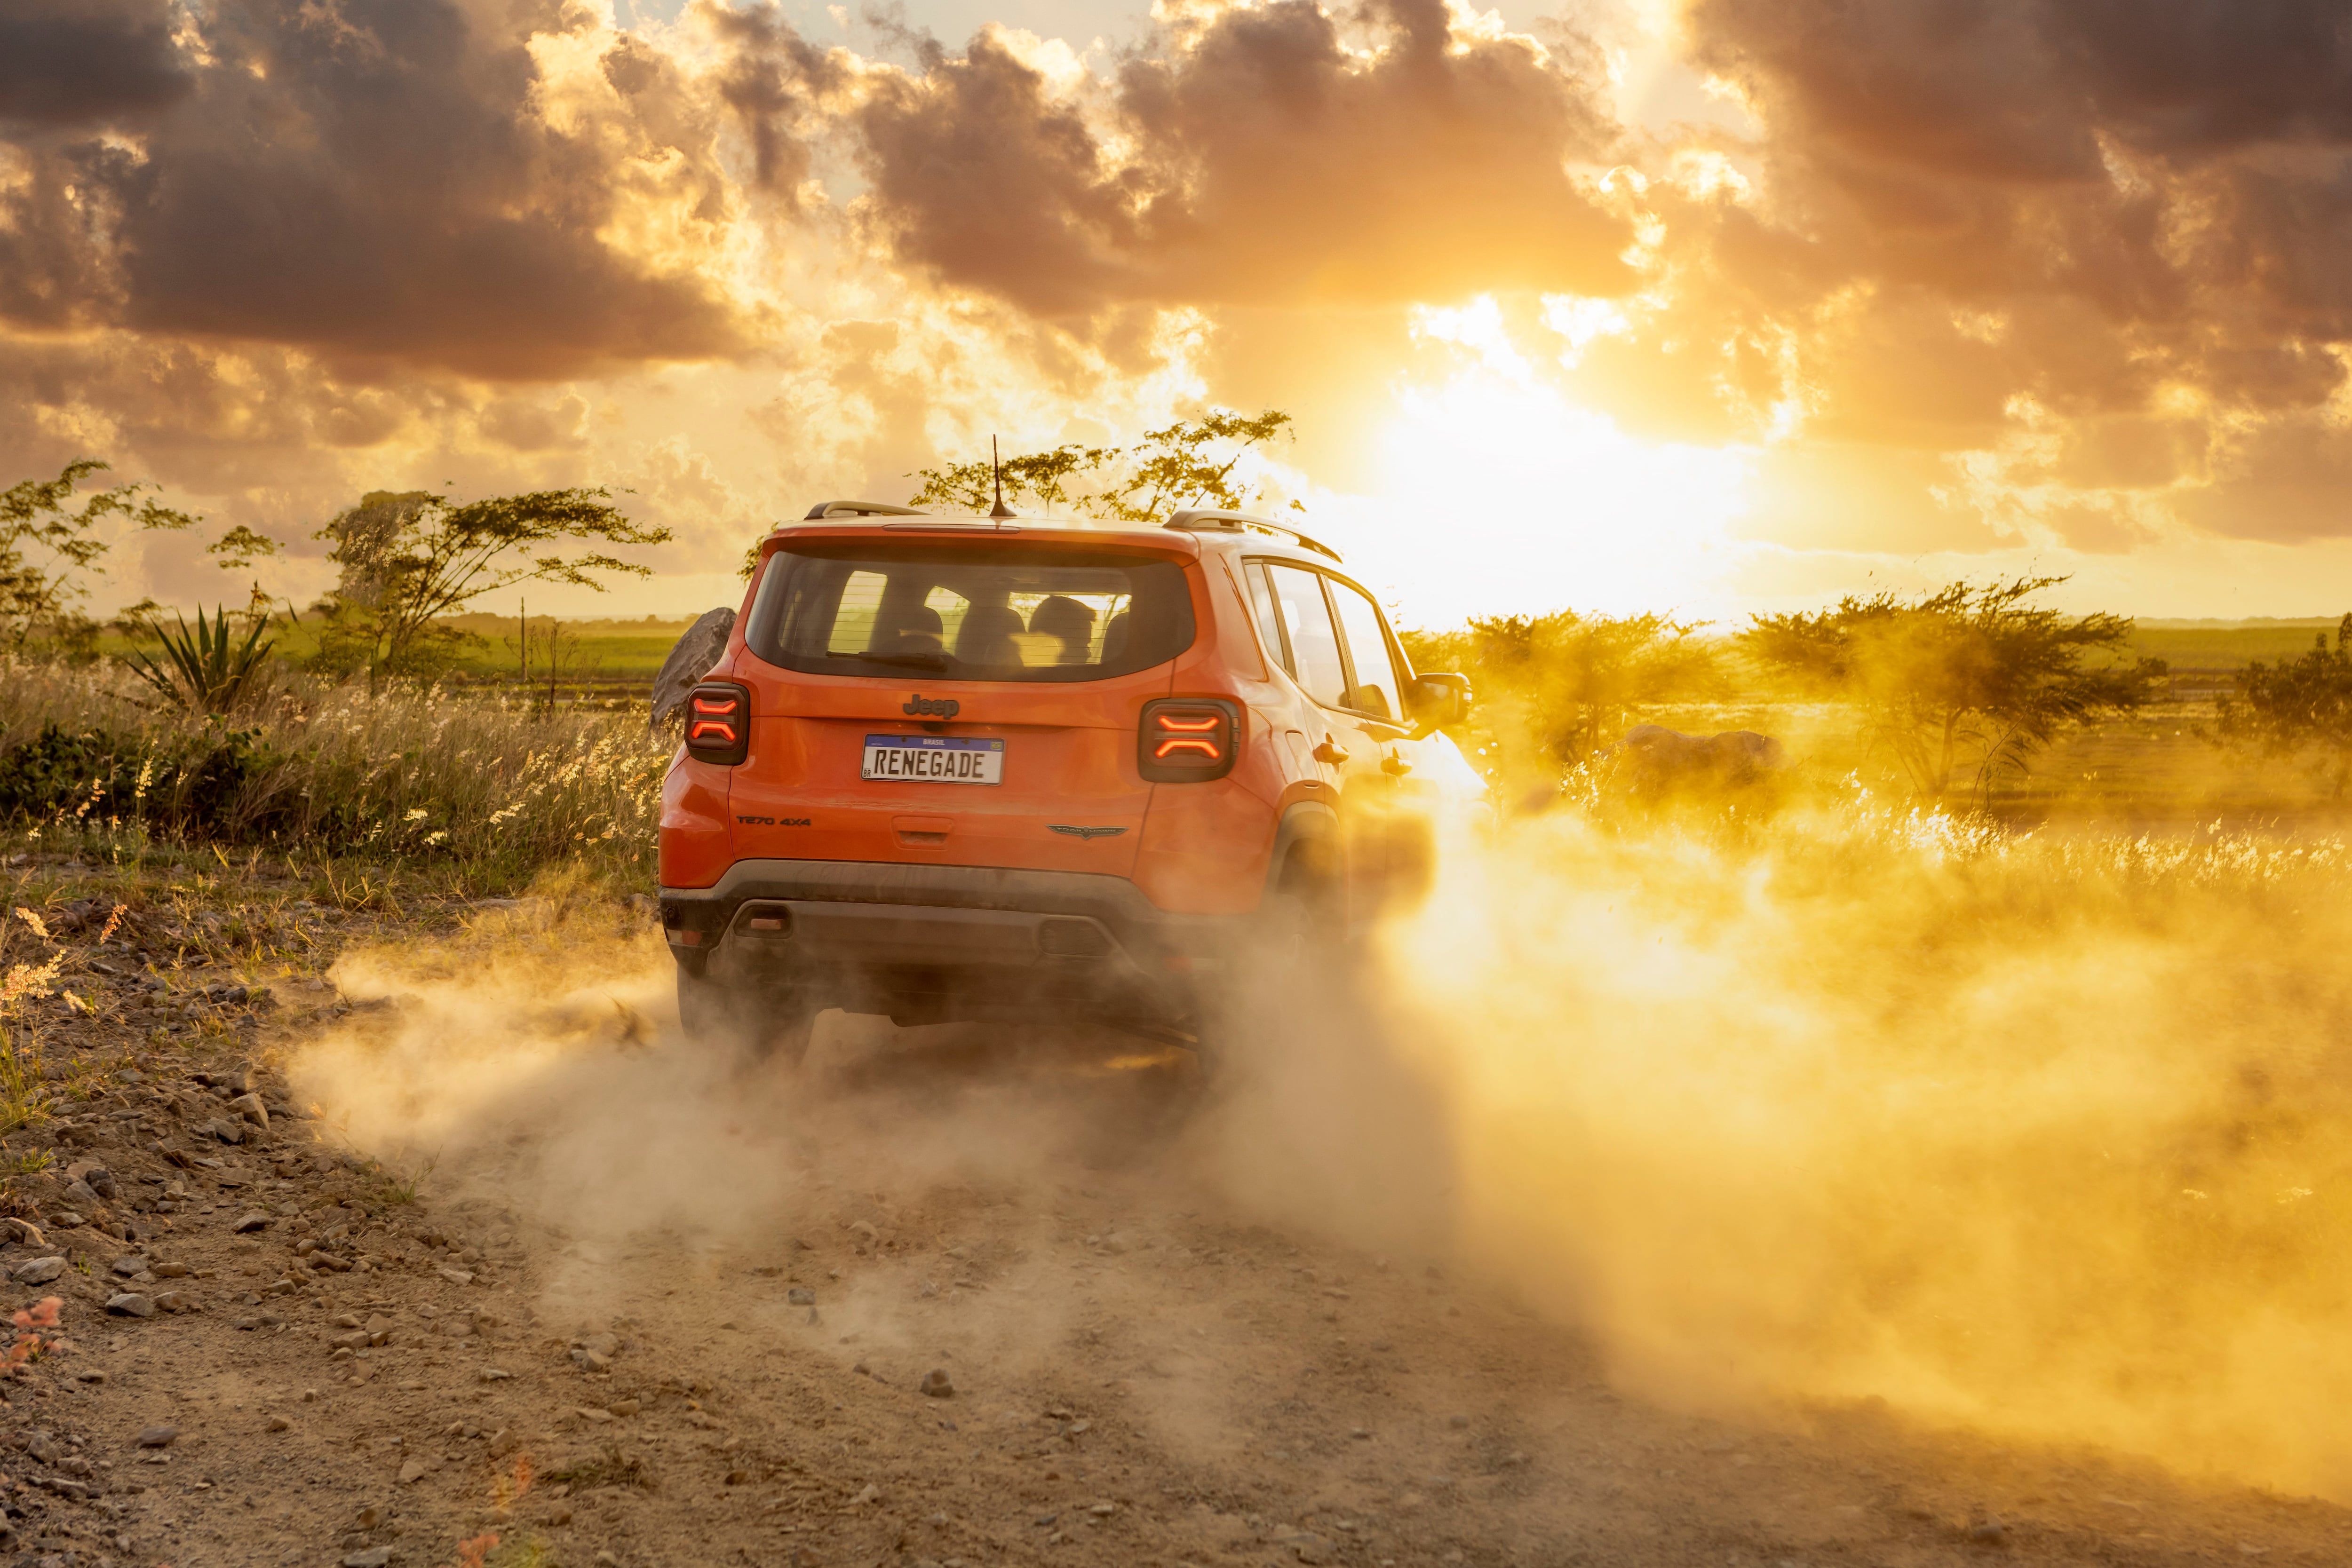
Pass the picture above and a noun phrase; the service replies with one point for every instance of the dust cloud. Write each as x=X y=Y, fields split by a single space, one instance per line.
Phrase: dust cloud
x=2045 y=1138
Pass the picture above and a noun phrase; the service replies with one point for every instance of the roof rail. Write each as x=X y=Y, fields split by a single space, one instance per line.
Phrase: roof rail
x=823 y=509
x=1208 y=520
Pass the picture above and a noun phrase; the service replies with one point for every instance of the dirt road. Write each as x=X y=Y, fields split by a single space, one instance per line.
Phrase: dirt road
x=938 y=1297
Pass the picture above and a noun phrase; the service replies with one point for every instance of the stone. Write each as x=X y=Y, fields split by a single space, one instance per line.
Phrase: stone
x=801 y=1296
x=412 y=1472
x=127 y=1266
x=82 y=1194
x=250 y=1107
x=130 y=1305
x=226 y=1131
x=170 y=1270
x=455 y=1276
x=936 y=1384
x=373 y=1557
x=623 y=1408
x=175 y=1302
x=279 y=1424
x=66 y=1218
x=23 y=1232
x=251 y=1219
x=39 y=1271
x=158 y=1436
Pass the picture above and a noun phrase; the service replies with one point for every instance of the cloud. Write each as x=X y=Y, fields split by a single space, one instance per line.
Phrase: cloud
x=1986 y=216
x=1260 y=156
x=363 y=177
x=1958 y=277
x=85 y=62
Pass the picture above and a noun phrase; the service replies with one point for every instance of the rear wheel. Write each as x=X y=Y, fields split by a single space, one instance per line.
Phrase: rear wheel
x=1284 y=968
x=760 y=1023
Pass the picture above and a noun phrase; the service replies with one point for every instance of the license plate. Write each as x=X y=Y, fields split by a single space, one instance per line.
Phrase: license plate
x=934 y=758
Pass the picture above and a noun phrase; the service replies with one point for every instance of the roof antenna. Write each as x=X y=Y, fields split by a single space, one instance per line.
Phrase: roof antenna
x=996 y=466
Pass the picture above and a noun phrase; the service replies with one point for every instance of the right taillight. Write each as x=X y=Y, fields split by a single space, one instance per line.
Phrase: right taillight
x=1185 y=740
x=719 y=723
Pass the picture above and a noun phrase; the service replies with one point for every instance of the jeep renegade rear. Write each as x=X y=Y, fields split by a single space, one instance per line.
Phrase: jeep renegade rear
x=957 y=769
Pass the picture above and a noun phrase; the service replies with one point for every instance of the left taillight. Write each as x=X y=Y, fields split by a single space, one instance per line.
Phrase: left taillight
x=1186 y=740
x=719 y=723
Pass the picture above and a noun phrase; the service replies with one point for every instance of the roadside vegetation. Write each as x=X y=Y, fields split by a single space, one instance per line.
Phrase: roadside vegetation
x=396 y=734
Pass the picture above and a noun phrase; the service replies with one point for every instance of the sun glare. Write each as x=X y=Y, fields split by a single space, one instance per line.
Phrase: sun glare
x=1540 y=504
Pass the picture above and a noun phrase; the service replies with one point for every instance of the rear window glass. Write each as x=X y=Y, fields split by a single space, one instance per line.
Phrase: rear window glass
x=997 y=612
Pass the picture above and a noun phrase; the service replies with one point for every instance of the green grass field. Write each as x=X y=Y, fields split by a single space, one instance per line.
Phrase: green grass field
x=599 y=661
x=2224 y=646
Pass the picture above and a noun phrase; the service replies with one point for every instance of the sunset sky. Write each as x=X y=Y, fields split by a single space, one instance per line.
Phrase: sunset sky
x=1711 y=306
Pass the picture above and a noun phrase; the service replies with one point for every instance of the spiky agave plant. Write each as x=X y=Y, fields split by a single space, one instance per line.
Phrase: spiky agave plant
x=204 y=669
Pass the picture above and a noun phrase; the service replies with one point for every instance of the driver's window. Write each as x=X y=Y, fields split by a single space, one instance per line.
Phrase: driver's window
x=1379 y=686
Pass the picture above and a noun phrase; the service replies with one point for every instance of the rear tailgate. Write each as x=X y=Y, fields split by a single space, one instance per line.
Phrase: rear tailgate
x=1025 y=657
x=1070 y=798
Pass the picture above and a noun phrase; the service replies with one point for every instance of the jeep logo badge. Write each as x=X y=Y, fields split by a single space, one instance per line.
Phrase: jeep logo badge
x=942 y=707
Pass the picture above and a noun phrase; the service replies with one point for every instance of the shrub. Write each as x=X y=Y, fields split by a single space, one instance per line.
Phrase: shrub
x=404 y=773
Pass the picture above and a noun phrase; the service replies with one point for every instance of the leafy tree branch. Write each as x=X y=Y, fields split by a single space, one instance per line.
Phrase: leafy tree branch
x=1965 y=673
x=410 y=560
x=2298 y=706
x=1190 y=463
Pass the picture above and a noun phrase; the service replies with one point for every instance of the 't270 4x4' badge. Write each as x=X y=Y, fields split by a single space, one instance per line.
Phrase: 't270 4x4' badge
x=942 y=707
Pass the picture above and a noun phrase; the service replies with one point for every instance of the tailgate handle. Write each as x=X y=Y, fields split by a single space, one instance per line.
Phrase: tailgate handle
x=923 y=830
x=1331 y=751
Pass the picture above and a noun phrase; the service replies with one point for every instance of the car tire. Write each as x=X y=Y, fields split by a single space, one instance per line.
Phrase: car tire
x=755 y=1022
x=1293 y=951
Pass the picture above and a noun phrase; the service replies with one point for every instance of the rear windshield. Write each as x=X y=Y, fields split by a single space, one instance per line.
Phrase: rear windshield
x=994 y=611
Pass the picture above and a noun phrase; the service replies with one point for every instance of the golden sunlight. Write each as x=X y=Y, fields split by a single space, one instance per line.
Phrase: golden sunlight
x=1506 y=466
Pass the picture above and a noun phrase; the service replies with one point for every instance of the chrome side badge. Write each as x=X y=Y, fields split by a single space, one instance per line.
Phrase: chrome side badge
x=1084 y=833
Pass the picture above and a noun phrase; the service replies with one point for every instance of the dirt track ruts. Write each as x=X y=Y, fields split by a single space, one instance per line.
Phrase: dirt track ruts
x=1141 y=1372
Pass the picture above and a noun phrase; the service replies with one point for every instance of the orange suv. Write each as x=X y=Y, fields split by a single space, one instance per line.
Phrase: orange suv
x=953 y=769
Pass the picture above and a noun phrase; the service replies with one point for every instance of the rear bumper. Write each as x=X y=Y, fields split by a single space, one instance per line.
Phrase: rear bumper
x=919 y=942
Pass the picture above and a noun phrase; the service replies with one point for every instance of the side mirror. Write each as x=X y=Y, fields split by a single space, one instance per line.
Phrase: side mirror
x=1432 y=702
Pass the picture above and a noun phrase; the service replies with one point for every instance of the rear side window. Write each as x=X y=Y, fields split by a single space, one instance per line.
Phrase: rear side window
x=1314 y=646
x=997 y=612
x=1376 y=688
x=1269 y=630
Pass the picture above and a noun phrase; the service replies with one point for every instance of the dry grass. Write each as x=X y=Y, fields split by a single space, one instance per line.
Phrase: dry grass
x=330 y=778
